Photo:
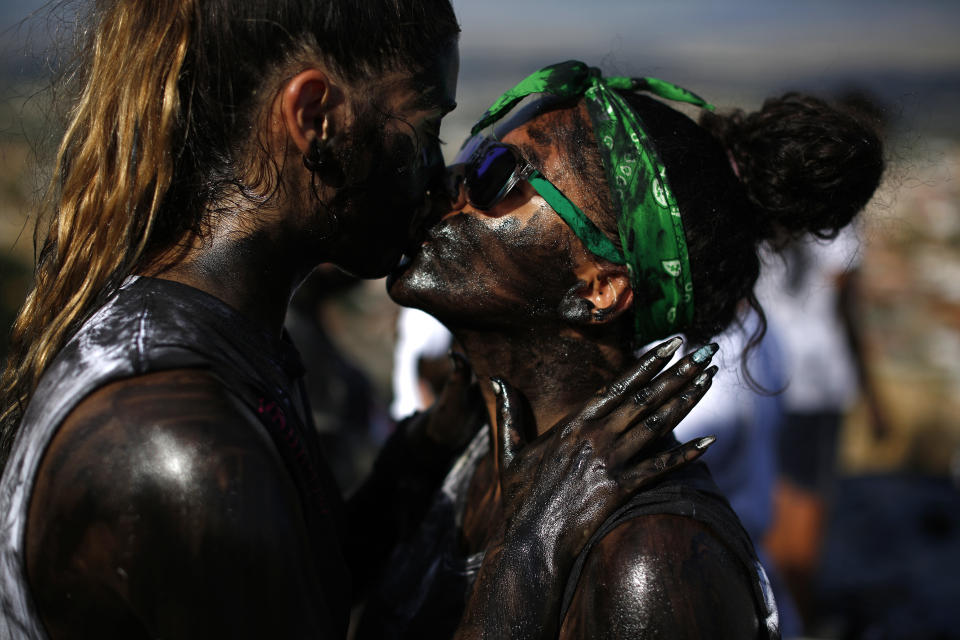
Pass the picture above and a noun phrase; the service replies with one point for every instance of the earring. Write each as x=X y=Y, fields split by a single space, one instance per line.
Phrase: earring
x=599 y=315
x=320 y=160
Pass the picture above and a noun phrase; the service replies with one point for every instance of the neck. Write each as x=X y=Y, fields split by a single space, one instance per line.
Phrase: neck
x=253 y=271
x=556 y=372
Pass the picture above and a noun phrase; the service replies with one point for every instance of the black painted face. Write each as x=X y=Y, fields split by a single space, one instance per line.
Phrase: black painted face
x=401 y=159
x=513 y=265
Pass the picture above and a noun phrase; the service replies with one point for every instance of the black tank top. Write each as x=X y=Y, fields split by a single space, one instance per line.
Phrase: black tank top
x=424 y=590
x=151 y=325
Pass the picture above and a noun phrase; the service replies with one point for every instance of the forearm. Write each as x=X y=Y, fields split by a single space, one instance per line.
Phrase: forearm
x=518 y=591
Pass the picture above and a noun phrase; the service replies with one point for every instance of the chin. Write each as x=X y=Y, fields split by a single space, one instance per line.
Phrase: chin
x=410 y=286
x=398 y=281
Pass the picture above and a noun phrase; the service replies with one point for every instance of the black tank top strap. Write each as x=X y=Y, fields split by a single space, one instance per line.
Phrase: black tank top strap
x=691 y=492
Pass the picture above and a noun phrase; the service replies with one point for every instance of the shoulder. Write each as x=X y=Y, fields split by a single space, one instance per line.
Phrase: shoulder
x=163 y=483
x=662 y=576
x=165 y=430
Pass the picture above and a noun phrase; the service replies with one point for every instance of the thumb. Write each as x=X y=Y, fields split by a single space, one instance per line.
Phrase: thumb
x=509 y=422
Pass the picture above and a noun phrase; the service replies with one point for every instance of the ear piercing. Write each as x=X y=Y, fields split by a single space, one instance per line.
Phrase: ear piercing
x=320 y=160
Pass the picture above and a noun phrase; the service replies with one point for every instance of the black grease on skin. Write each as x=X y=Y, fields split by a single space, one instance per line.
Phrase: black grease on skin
x=374 y=213
x=121 y=514
x=500 y=267
x=574 y=308
x=680 y=577
x=519 y=279
x=487 y=275
x=361 y=228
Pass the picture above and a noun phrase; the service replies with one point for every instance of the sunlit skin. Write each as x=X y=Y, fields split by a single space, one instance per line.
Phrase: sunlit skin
x=161 y=509
x=518 y=289
x=253 y=260
x=521 y=294
x=117 y=546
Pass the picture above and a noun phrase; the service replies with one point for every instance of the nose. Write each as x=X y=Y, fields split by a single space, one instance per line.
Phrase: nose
x=445 y=196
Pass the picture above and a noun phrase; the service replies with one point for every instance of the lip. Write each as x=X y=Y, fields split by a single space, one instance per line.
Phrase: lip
x=422 y=230
x=410 y=252
x=402 y=265
x=418 y=241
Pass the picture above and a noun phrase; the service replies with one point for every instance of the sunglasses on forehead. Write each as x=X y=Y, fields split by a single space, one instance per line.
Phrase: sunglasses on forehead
x=492 y=169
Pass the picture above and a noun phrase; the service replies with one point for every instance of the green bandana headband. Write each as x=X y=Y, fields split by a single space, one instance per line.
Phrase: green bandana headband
x=649 y=224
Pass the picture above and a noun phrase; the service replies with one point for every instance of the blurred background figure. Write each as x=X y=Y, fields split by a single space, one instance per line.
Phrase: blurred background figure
x=881 y=540
x=420 y=362
x=747 y=416
x=800 y=291
x=347 y=411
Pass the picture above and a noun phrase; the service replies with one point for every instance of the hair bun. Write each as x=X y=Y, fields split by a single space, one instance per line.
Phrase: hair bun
x=808 y=167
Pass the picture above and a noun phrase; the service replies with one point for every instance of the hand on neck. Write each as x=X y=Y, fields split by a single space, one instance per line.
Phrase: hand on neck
x=555 y=370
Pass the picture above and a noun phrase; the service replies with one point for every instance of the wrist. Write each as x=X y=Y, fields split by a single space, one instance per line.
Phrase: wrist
x=533 y=553
x=519 y=589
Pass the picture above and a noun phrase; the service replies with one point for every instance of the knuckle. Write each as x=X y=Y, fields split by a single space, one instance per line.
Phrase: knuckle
x=590 y=413
x=586 y=449
x=568 y=428
x=643 y=396
x=615 y=389
x=654 y=422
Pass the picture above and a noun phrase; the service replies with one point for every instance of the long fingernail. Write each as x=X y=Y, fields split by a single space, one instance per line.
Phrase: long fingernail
x=670 y=347
x=705 y=442
x=702 y=379
x=704 y=353
x=497 y=387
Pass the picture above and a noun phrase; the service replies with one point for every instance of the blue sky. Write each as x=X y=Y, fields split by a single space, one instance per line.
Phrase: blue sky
x=758 y=34
x=734 y=52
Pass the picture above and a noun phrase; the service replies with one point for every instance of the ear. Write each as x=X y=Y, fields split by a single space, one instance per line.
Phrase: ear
x=606 y=287
x=307 y=106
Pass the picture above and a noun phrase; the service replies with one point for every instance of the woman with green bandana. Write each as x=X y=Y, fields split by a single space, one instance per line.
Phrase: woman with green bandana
x=591 y=221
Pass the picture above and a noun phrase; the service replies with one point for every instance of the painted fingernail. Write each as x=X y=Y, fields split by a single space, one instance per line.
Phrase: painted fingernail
x=497 y=387
x=669 y=347
x=703 y=443
x=702 y=379
x=704 y=353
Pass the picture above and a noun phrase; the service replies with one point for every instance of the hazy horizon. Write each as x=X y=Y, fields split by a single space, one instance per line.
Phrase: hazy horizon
x=734 y=53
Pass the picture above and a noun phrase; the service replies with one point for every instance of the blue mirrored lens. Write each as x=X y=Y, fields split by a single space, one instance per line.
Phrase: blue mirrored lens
x=488 y=173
